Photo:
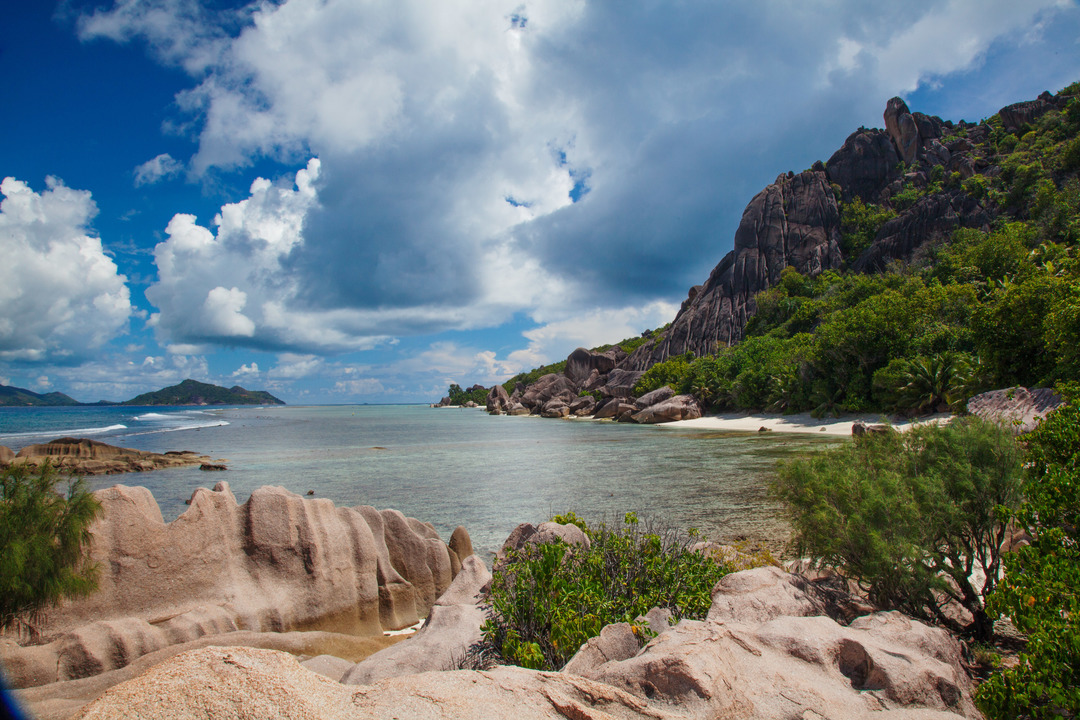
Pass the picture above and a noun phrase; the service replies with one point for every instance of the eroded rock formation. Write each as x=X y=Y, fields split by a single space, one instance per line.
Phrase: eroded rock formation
x=279 y=562
x=765 y=651
x=90 y=457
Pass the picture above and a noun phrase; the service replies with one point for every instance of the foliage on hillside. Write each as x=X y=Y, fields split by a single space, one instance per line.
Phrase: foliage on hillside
x=550 y=598
x=191 y=392
x=979 y=311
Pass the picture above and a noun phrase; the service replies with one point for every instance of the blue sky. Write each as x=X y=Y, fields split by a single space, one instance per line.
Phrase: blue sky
x=344 y=201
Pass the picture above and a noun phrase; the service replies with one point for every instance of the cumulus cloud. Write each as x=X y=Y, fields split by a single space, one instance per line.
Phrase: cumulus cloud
x=159 y=168
x=61 y=295
x=485 y=159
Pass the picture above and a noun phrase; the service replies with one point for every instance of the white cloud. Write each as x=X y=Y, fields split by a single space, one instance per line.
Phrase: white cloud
x=451 y=138
x=243 y=370
x=61 y=296
x=159 y=168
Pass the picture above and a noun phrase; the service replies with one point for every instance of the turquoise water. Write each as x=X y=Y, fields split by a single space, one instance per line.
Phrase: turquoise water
x=447 y=466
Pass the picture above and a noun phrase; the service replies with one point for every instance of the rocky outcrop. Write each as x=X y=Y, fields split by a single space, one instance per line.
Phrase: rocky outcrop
x=451 y=628
x=278 y=562
x=1016 y=116
x=90 y=457
x=793 y=222
x=765 y=651
x=933 y=218
x=582 y=363
x=498 y=401
x=1018 y=408
x=679 y=407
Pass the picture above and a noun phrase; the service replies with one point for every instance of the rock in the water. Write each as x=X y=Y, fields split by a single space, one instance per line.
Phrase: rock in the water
x=276 y=563
x=498 y=400
x=679 y=407
x=90 y=457
x=1018 y=408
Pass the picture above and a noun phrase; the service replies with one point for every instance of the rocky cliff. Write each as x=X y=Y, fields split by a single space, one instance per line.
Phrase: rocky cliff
x=276 y=563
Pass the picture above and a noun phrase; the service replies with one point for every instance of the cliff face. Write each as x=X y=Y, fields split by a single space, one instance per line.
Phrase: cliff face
x=796 y=221
x=793 y=222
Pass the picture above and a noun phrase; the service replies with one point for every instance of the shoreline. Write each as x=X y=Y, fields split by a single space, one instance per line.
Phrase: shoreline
x=800 y=423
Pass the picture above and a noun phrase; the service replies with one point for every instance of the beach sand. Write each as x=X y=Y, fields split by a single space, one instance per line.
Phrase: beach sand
x=799 y=423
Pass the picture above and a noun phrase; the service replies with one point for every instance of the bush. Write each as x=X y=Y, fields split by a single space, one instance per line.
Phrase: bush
x=43 y=540
x=550 y=598
x=1041 y=588
x=910 y=516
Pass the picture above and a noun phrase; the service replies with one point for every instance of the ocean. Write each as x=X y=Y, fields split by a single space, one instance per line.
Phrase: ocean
x=447 y=466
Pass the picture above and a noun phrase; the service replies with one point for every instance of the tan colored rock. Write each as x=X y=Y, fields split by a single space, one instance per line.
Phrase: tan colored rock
x=249 y=684
x=1018 y=408
x=278 y=562
x=451 y=628
x=615 y=642
x=461 y=542
x=6 y=456
x=90 y=457
x=762 y=594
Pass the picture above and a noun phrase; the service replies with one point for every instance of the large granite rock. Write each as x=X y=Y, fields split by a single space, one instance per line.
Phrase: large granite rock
x=864 y=165
x=451 y=628
x=548 y=387
x=679 y=407
x=90 y=457
x=793 y=222
x=902 y=130
x=581 y=363
x=498 y=401
x=278 y=562
x=768 y=655
x=1018 y=408
x=1016 y=116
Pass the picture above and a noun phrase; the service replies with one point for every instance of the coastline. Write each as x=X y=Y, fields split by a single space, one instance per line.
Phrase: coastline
x=800 y=423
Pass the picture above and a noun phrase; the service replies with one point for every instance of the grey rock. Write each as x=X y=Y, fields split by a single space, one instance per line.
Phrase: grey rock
x=679 y=407
x=1018 y=408
x=658 y=395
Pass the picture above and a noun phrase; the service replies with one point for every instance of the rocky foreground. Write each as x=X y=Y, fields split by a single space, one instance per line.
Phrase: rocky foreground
x=80 y=456
x=275 y=608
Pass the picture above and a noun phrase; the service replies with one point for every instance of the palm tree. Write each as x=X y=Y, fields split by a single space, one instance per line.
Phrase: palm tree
x=933 y=384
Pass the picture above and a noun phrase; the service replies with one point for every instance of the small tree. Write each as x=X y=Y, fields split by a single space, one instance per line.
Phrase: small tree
x=910 y=516
x=43 y=541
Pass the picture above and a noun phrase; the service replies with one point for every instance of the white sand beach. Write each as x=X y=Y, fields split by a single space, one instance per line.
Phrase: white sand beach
x=798 y=423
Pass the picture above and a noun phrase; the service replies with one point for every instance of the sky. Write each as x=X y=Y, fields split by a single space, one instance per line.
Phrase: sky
x=347 y=201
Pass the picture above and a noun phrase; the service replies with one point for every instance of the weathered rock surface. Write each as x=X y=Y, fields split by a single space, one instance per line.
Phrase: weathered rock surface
x=581 y=363
x=1018 y=408
x=451 y=628
x=933 y=218
x=548 y=387
x=761 y=654
x=658 y=395
x=278 y=562
x=679 y=407
x=90 y=457
x=793 y=222
x=498 y=400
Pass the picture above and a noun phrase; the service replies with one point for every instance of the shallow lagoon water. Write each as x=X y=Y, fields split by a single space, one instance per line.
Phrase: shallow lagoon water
x=448 y=466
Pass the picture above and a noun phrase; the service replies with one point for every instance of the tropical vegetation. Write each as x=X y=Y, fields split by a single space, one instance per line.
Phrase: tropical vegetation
x=548 y=599
x=44 y=536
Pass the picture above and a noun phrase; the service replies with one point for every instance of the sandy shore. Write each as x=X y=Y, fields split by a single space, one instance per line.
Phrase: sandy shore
x=800 y=423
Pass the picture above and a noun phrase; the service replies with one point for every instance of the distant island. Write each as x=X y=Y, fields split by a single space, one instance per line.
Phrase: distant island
x=189 y=392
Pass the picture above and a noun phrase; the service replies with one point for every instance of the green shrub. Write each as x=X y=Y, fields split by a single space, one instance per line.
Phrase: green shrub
x=1041 y=588
x=43 y=542
x=550 y=598
x=909 y=516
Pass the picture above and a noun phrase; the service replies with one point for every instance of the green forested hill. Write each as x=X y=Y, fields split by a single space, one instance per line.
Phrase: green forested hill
x=18 y=396
x=191 y=392
x=974 y=311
